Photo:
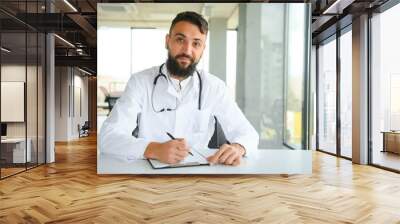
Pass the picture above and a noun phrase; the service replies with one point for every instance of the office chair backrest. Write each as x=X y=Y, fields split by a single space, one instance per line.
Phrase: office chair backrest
x=111 y=102
x=218 y=137
x=86 y=125
x=3 y=129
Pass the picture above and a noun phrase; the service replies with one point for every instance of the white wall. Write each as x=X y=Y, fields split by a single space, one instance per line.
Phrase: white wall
x=71 y=102
x=61 y=103
x=80 y=110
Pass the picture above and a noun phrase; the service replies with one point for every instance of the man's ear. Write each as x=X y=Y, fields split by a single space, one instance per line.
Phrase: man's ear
x=166 y=41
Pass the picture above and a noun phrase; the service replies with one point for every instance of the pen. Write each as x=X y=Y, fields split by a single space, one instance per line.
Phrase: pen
x=172 y=137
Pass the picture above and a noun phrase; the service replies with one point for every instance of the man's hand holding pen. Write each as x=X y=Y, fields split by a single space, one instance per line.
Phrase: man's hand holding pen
x=172 y=151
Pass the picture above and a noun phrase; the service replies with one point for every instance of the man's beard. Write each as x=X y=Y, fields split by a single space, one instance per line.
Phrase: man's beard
x=175 y=68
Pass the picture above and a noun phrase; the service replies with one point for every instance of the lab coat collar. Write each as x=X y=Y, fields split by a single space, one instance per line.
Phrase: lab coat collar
x=171 y=89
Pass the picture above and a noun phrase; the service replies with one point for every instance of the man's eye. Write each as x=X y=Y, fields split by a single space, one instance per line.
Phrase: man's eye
x=179 y=40
x=197 y=44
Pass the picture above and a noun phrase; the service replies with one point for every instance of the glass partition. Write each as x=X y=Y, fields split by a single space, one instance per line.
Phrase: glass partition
x=41 y=87
x=22 y=90
x=13 y=95
x=31 y=97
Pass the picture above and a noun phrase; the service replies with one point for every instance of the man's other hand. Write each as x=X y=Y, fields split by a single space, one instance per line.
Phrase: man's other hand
x=228 y=154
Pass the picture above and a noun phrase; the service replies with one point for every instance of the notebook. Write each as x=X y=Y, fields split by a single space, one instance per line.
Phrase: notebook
x=196 y=159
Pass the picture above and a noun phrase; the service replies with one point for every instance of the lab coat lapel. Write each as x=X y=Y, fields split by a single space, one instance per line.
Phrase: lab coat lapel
x=170 y=89
x=193 y=94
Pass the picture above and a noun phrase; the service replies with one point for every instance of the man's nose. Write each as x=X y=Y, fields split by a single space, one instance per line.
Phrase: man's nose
x=187 y=48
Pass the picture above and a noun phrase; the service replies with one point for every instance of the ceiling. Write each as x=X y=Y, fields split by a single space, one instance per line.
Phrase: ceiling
x=329 y=16
x=72 y=20
x=160 y=15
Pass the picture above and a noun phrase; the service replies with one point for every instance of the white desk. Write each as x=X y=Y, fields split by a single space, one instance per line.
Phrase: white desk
x=279 y=161
x=19 y=149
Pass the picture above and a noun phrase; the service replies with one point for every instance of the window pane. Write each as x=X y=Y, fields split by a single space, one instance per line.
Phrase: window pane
x=112 y=70
x=386 y=89
x=346 y=94
x=271 y=75
x=327 y=97
x=231 y=40
x=296 y=74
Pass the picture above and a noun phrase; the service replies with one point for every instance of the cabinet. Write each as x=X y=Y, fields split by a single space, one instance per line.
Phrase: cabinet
x=391 y=142
x=13 y=150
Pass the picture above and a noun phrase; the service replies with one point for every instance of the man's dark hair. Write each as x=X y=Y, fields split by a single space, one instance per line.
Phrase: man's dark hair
x=193 y=18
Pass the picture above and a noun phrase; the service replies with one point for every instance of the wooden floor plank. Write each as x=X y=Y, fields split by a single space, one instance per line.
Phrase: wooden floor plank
x=70 y=191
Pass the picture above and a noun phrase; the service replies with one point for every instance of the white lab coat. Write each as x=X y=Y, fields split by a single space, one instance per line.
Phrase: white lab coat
x=196 y=126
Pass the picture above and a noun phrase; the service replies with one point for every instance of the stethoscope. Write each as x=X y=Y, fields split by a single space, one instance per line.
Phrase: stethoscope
x=161 y=74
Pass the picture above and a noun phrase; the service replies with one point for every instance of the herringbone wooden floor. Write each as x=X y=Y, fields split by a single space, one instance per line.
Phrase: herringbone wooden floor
x=70 y=191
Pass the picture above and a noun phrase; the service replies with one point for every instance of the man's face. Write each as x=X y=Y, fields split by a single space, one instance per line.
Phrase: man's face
x=185 y=45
